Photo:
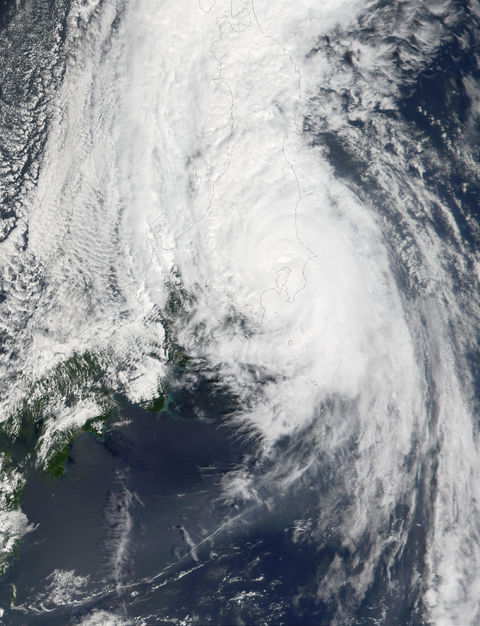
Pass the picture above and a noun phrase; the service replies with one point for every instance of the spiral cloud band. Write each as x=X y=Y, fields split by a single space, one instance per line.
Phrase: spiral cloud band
x=255 y=184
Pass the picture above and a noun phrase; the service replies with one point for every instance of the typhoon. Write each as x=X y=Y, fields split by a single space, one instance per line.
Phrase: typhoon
x=271 y=209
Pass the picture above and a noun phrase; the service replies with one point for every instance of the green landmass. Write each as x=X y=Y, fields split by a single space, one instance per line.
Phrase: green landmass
x=80 y=377
x=29 y=438
x=62 y=443
x=12 y=482
x=156 y=405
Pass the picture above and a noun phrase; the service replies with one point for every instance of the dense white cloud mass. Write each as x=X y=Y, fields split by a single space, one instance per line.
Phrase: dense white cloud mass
x=187 y=145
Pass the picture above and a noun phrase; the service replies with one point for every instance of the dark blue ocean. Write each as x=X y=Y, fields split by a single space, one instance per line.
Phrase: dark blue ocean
x=140 y=526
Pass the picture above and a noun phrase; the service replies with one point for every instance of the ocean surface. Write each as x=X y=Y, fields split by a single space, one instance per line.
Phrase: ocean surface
x=266 y=215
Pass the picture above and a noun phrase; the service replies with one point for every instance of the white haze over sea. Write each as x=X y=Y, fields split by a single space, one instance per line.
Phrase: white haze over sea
x=176 y=148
